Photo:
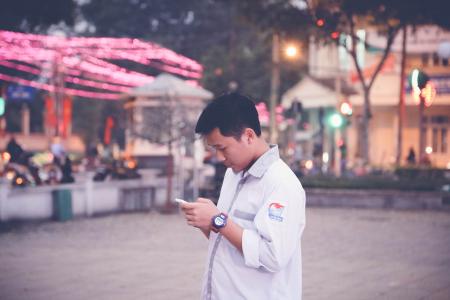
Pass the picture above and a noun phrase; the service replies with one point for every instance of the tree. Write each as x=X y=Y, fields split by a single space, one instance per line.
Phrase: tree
x=29 y=15
x=212 y=32
x=279 y=18
x=346 y=17
x=388 y=18
x=328 y=19
x=414 y=14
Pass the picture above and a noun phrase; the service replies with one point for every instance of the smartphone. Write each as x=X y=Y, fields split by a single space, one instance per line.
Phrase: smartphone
x=180 y=201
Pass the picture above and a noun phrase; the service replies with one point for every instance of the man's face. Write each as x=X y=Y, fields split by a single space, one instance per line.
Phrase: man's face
x=235 y=154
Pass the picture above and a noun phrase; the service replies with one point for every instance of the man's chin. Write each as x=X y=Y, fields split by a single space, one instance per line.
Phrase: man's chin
x=235 y=170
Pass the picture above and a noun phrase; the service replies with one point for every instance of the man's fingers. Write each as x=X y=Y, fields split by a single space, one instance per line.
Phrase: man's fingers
x=191 y=223
x=189 y=210
x=203 y=200
x=189 y=215
x=187 y=205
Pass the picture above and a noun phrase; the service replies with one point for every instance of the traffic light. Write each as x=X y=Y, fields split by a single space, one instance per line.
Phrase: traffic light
x=335 y=120
x=320 y=22
x=422 y=87
x=346 y=108
x=342 y=147
x=2 y=106
x=418 y=79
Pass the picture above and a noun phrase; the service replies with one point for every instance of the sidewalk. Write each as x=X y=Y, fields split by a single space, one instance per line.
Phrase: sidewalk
x=347 y=254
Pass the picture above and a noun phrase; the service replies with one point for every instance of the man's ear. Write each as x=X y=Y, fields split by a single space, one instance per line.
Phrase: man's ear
x=249 y=135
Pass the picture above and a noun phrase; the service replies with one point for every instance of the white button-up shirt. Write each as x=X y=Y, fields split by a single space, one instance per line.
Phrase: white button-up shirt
x=268 y=202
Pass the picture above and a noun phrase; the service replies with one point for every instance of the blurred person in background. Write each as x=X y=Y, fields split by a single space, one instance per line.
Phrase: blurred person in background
x=15 y=150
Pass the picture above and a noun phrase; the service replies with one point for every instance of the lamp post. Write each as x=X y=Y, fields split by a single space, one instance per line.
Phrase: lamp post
x=274 y=87
x=291 y=51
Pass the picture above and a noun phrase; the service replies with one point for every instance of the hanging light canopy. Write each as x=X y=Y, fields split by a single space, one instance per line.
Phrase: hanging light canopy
x=87 y=64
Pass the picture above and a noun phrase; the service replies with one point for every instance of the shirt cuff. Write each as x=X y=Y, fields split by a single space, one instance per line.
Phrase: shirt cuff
x=250 y=248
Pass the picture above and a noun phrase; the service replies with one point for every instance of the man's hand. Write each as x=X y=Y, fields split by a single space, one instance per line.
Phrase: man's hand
x=200 y=213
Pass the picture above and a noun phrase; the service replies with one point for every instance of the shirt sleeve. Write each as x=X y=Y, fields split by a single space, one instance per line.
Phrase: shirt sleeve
x=279 y=227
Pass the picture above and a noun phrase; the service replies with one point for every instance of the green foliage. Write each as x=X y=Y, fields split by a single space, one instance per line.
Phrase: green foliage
x=371 y=182
x=212 y=32
x=384 y=15
x=422 y=173
x=27 y=15
x=279 y=15
x=189 y=27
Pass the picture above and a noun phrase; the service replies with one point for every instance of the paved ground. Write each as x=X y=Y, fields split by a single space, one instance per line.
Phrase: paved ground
x=347 y=254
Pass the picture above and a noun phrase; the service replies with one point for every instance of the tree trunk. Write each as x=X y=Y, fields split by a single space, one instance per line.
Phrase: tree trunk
x=365 y=127
x=367 y=115
x=401 y=102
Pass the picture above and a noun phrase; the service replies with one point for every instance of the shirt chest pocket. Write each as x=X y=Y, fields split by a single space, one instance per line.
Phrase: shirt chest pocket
x=249 y=202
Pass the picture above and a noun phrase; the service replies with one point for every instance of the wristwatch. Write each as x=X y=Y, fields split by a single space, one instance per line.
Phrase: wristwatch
x=219 y=221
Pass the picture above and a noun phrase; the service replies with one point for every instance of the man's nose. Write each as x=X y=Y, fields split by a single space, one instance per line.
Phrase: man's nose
x=220 y=156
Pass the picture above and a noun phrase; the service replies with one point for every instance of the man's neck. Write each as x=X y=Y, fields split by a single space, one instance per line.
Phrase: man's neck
x=261 y=148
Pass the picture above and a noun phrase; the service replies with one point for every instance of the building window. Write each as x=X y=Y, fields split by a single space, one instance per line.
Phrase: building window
x=425 y=58
x=438 y=129
x=435 y=59
x=434 y=140
x=444 y=145
x=439 y=120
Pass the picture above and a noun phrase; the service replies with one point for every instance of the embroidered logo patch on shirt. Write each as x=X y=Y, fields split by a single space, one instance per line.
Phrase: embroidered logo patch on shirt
x=275 y=211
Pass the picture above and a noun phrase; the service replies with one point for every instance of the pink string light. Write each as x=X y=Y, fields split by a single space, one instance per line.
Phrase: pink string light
x=14 y=52
x=19 y=67
x=102 y=47
x=67 y=78
x=97 y=85
x=125 y=78
x=51 y=88
x=105 y=75
x=86 y=57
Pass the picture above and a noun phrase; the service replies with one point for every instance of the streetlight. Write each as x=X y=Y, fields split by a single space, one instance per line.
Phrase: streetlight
x=291 y=51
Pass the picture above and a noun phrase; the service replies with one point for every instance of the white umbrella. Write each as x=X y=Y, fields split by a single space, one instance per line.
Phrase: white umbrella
x=444 y=49
x=169 y=85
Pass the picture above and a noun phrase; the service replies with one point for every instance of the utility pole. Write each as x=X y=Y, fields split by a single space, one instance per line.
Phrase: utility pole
x=335 y=153
x=274 y=87
x=401 y=101
x=58 y=91
x=169 y=208
x=422 y=128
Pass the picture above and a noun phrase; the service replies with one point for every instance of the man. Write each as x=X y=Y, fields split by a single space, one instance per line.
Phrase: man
x=14 y=150
x=255 y=230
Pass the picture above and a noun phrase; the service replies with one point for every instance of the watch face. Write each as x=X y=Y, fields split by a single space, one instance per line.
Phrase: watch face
x=218 y=221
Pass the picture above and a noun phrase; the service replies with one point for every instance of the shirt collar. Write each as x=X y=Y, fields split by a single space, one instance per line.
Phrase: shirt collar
x=261 y=165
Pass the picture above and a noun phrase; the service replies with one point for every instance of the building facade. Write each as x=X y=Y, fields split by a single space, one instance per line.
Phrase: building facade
x=426 y=51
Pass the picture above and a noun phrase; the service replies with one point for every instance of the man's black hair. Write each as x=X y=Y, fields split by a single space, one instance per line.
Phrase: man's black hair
x=231 y=113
